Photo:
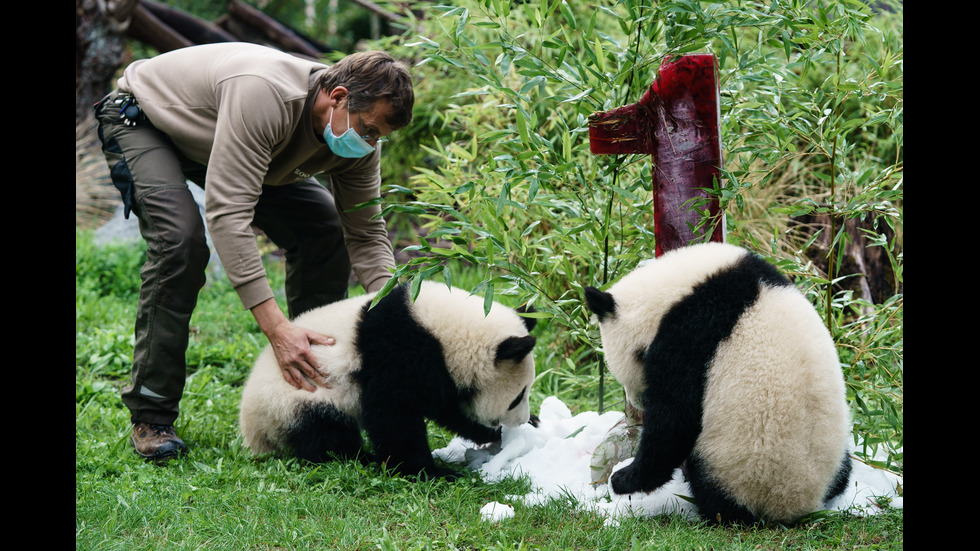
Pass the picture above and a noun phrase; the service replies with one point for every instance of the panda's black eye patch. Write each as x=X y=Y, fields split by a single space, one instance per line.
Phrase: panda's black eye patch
x=517 y=400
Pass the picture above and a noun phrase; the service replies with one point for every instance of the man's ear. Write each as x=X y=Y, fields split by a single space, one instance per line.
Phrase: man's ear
x=338 y=95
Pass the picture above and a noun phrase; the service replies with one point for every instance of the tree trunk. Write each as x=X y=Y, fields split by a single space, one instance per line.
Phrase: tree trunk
x=871 y=275
x=99 y=49
x=152 y=31
x=267 y=30
x=196 y=31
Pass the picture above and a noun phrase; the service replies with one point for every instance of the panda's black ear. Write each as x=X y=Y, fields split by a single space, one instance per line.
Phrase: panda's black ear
x=602 y=304
x=515 y=348
x=529 y=322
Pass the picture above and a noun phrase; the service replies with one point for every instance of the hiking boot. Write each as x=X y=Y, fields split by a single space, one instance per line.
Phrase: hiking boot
x=157 y=443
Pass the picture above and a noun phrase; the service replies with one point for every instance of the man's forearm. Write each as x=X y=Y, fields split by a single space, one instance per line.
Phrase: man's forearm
x=268 y=315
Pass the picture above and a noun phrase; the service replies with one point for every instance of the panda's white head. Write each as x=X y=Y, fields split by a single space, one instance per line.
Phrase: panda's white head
x=502 y=398
x=630 y=312
x=489 y=354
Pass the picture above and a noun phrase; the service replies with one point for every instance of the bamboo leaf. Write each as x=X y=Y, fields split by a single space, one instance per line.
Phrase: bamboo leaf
x=461 y=23
x=522 y=126
x=488 y=299
x=566 y=12
x=599 y=55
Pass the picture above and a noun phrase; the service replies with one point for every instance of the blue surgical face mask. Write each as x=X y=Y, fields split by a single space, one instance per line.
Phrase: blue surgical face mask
x=349 y=144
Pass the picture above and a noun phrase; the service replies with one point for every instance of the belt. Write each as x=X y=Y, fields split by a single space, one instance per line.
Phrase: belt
x=130 y=113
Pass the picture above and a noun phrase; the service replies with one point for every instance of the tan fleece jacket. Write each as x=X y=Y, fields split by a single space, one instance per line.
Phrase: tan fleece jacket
x=245 y=111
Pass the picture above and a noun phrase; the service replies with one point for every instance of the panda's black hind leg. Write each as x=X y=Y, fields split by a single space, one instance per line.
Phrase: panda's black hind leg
x=322 y=432
x=713 y=504
x=841 y=479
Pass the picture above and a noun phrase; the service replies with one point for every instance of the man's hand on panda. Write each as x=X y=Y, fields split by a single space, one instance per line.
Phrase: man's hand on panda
x=291 y=346
x=300 y=368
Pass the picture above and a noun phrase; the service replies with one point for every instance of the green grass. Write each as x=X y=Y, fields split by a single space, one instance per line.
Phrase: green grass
x=221 y=498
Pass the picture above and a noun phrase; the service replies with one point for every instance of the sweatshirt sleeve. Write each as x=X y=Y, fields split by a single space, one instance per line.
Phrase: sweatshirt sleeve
x=365 y=231
x=252 y=119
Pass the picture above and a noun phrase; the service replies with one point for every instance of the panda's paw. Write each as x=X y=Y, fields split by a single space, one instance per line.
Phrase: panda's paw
x=633 y=478
x=486 y=435
x=626 y=480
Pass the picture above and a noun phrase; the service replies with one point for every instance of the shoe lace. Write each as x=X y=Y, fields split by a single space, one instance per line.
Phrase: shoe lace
x=159 y=430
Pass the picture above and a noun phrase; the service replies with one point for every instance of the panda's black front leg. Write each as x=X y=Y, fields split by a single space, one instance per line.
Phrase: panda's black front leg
x=674 y=373
x=400 y=440
x=455 y=420
x=645 y=474
x=667 y=438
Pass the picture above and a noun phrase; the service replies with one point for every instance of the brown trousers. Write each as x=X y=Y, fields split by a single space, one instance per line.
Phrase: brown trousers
x=152 y=178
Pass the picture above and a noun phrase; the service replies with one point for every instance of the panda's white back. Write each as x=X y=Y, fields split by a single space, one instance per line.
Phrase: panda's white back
x=269 y=403
x=341 y=359
x=774 y=429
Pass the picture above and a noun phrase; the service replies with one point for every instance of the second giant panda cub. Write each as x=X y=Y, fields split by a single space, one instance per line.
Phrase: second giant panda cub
x=736 y=375
x=394 y=366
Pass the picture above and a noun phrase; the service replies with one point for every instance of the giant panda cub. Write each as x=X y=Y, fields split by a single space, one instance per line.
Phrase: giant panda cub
x=736 y=375
x=394 y=366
